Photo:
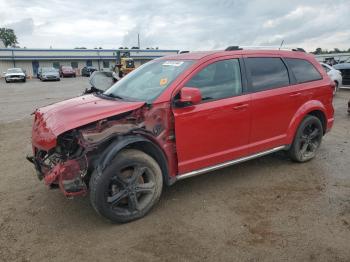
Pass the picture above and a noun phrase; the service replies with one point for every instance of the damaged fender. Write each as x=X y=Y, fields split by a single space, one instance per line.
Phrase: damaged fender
x=124 y=141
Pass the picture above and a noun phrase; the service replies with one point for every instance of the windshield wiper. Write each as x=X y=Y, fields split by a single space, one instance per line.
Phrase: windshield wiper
x=114 y=96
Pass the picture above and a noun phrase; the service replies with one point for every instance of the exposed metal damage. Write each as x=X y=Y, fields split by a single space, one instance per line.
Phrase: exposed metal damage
x=69 y=164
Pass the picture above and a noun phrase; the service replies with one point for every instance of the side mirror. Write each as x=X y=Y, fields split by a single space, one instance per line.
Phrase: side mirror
x=189 y=96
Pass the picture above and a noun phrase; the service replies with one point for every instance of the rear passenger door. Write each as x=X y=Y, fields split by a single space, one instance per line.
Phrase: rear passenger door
x=273 y=101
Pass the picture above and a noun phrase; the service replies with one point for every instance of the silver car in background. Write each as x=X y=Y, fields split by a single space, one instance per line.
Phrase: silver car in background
x=48 y=73
x=15 y=74
x=335 y=75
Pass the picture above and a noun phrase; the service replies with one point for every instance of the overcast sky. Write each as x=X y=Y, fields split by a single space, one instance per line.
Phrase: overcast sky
x=178 y=24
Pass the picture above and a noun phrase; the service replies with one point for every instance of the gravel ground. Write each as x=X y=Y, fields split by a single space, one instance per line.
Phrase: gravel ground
x=268 y=209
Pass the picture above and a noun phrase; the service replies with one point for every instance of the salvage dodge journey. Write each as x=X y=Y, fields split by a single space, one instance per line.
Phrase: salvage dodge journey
x=178 y=117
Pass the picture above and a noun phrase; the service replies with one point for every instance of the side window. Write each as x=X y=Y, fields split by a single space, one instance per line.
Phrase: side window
x=218 y=80
x=267 y=73
x=303 y=70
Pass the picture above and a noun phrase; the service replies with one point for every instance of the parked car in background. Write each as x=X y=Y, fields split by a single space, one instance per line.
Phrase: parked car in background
x=88 y=70
x=335 y=75
x=48 y=73
x=67 y=71
x=177 y=117
x=15 y=74
x=344 y=68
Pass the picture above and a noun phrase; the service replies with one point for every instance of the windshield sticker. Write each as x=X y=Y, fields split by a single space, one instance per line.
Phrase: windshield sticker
x=163 y=81
x=172 y=63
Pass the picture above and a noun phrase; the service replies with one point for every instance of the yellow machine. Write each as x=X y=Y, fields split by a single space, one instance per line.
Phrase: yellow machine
x=124 y=65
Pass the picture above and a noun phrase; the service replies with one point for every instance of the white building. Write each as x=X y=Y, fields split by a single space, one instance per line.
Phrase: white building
x=31 y=59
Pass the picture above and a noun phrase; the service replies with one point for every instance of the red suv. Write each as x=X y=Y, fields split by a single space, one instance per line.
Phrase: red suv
x=177 y=117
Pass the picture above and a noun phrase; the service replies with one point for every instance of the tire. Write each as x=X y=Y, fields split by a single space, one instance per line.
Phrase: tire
x=24 y=80
x=307 y=140
x=127 y=175
x=7 y=81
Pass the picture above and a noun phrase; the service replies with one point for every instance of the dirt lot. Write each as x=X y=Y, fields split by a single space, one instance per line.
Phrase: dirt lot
x=268 y=209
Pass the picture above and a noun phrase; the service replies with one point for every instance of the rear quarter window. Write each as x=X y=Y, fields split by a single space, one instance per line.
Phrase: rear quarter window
x=303 y=70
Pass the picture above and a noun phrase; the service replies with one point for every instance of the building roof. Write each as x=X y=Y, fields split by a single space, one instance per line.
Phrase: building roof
x=78 y=54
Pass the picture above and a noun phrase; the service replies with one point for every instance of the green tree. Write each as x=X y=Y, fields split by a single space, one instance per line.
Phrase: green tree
x=318 y=51
x=7 y=35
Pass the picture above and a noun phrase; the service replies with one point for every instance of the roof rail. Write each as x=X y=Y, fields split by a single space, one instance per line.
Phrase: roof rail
x=232 y=48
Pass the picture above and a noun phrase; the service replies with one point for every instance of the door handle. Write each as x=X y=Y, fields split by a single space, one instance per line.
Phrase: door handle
x=240 y=107
x=295 y=94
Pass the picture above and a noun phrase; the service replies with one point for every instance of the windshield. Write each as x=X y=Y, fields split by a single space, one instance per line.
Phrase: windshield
x=48 y=70
x=67 y=68
x=14 y=70
x=148 y=81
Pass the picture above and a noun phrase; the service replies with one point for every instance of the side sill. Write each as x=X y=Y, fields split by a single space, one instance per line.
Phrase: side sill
x=229 y=163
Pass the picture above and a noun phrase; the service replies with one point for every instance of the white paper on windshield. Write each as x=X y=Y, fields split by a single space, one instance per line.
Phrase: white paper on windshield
x=172 y=63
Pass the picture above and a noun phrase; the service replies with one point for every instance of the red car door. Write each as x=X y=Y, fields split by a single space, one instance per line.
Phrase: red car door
x=216 y=130
x=273 y=102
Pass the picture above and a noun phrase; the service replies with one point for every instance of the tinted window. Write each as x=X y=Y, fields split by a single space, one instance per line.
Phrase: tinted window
x=267 y=73
x=303 y=70
x=218 y=80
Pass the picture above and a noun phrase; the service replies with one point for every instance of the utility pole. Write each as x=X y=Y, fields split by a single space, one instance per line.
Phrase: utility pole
x=13 y=58
x=138 y=40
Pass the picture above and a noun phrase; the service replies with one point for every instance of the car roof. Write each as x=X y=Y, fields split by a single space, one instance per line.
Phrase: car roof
x=202 y=54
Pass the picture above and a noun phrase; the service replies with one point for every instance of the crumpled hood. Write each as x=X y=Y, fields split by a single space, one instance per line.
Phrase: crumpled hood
x=55 y=119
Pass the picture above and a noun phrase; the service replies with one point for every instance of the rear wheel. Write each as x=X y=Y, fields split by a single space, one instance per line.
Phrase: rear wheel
x=307 y=139
x=128 y=188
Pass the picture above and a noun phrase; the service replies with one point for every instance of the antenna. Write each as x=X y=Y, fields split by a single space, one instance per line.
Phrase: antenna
x=281 y=44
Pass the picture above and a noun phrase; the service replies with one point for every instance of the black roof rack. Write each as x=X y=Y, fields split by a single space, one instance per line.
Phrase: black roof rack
x=233 y=48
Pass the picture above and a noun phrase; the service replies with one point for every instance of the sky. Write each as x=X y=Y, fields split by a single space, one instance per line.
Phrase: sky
x=178 y=24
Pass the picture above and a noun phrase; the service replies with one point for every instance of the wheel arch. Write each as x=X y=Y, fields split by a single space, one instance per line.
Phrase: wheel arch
x=140 y=143
x=314 y=108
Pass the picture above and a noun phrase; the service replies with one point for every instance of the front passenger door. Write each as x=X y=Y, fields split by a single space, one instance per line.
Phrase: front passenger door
x=216 y=130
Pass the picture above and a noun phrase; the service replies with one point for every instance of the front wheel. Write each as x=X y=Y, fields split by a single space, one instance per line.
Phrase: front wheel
x=128 y=188
x=307 y=139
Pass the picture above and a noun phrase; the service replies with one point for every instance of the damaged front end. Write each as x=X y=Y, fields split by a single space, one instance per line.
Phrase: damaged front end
x=68 y=159
x=65 y=166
